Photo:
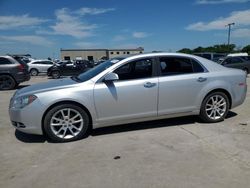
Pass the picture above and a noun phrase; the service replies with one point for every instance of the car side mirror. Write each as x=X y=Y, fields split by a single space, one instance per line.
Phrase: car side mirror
x=111 y=77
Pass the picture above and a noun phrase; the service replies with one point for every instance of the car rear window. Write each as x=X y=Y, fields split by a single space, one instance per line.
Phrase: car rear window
x=5 y=61
x=19 y=60
x=179 y=65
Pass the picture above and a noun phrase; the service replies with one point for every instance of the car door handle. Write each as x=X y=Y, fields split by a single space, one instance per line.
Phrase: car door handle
x=201 y=79
x=149 y=84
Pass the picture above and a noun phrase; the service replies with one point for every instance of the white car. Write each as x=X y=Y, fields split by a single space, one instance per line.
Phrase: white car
x=126 y=90
x=39 y=66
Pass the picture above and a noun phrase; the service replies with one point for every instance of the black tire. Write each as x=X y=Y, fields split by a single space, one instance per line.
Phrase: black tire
x=50 y=130
x=55 y=74
x=204 y=111
x=34 y=72
x=7 y=82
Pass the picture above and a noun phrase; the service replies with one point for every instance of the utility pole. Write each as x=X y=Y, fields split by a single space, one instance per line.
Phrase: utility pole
x=229 y=32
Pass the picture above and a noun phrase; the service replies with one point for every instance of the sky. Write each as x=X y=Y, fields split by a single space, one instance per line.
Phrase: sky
x=42 y=28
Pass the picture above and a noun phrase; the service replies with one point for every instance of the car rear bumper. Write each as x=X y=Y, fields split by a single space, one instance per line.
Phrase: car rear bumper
x=22 y=77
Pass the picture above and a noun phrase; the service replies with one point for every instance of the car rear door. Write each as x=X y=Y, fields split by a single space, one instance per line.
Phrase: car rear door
x=180 y=84
x=133 y=96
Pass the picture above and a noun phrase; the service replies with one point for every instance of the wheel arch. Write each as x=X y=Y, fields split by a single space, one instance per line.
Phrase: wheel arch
x=5 y=73
x=66 y=102
x=33 y=68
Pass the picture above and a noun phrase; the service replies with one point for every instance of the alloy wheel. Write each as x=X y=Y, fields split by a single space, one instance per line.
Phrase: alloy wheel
x=66 y=123
x=216 y=107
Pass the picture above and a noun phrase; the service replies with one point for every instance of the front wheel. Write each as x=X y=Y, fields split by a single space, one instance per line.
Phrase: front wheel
x=55 y=74
x=214 y=107
x=66 y=122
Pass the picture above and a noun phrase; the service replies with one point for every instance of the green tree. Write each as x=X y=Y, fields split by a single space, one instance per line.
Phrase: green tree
x=246 y=49
x=198 y=50
x=186 y=51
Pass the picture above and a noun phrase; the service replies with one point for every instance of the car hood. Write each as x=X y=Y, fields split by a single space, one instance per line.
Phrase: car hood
x=47 y=86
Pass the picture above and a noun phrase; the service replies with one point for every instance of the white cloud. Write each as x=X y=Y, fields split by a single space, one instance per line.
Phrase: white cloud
x=13 y=22
x=93 y=11
x=241 y=33
x=204 y=2
x=30 y=39
x=140 y=35
x=68 y=24
x=240 y=18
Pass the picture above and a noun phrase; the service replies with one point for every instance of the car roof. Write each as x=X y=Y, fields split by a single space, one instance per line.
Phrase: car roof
x=37 y=60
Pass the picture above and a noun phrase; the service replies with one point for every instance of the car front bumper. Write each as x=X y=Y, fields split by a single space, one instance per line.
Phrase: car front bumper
x=27 y=119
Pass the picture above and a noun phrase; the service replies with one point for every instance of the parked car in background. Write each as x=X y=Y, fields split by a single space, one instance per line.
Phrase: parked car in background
x=39 y=66
x=66 y=68
x=239 y=62
x=211 y=56
x=12 y=72
x=125 y=90
x=238 y=54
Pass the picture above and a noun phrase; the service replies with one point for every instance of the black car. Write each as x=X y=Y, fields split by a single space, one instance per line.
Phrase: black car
x=239 y=62
x=12 y=72
x=66 y=68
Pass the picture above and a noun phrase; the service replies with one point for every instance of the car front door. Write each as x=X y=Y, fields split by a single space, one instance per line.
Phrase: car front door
x=180 y=84
x=133 y=96
x=67 y=68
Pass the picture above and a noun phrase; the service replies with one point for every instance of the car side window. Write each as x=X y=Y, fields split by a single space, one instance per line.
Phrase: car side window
x=234 y=60
x=4 y=61
x=177 y=65
x=197 y=67
x=137 y=69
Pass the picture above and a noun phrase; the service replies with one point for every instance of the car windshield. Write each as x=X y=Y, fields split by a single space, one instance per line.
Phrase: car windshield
x=98 y=69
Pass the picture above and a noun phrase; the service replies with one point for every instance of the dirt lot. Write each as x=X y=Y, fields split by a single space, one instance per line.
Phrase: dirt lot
x=172 y=153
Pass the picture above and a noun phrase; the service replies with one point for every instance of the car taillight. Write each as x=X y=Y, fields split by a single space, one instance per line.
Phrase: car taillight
x=21 y=67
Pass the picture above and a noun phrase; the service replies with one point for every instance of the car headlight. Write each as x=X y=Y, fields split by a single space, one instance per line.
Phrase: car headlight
x=21 y=102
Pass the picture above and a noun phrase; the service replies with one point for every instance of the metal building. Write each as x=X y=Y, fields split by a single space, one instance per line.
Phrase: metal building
x=96 y=54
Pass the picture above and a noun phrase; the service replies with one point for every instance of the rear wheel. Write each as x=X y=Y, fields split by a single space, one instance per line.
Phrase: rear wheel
x=7 y=82
x=214 y=107
x=33 y=72
x=55 y=74
x=67 y=122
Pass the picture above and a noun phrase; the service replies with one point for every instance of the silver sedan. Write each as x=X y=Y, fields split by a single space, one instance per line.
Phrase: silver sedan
x=125 y=90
